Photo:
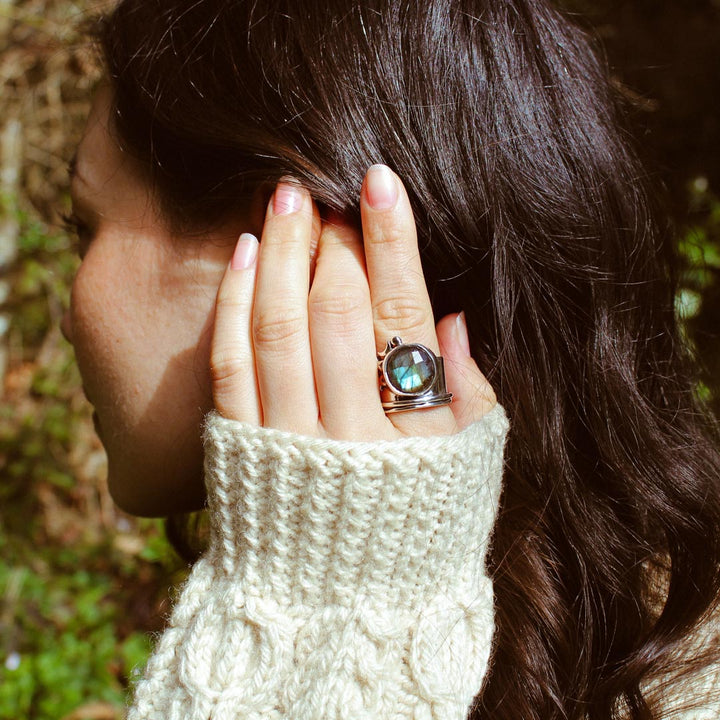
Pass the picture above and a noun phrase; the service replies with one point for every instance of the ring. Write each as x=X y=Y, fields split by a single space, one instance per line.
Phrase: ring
x=411 y=377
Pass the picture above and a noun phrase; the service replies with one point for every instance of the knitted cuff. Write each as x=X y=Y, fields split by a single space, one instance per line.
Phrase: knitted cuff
x=313 y=521
x=344 y=580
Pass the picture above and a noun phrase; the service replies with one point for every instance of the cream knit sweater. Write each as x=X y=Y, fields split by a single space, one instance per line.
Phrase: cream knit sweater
x=344 y=580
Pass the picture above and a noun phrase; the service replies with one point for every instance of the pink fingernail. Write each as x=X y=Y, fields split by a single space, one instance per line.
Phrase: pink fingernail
x=381 y=187
x=245 y=252
x=287 y=199
x=462 y=333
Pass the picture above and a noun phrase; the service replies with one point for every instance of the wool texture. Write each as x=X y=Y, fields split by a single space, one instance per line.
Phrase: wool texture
x=344 y=580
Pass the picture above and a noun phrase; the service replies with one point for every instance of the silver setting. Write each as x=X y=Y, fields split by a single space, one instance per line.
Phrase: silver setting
x=396 y=399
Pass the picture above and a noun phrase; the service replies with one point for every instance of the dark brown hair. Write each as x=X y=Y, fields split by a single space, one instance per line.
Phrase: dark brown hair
x=534 y=217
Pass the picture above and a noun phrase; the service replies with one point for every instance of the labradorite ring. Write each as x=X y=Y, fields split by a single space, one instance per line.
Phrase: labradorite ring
x=411 y=377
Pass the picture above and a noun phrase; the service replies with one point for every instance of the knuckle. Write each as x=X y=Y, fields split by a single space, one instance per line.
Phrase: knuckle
x=284 y=238
x=225 y=366
x=273 y=329
x=345 y=302
x=389 y=235
x=229 y=303
x=402 y=313
x=341 y=314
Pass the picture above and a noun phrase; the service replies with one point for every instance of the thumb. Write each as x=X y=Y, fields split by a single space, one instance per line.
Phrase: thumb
x=473 y=395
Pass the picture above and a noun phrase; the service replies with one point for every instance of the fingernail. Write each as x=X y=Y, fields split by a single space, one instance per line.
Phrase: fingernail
x=461 y=333
x=381 y=187
x=245 y=252
x=287 y=199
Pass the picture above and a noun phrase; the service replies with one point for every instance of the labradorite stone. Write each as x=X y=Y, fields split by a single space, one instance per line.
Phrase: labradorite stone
x=410 y=369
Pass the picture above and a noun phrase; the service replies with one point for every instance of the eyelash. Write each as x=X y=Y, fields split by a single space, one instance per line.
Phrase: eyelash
x=76 y=228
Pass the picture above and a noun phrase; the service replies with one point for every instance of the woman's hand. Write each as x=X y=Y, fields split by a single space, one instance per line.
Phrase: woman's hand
x=297 y=350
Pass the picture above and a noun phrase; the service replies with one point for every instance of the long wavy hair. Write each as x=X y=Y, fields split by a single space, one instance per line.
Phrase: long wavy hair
x=536 y=218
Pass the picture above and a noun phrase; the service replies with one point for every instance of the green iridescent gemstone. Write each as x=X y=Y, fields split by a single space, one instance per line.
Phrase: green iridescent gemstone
x=410 y=369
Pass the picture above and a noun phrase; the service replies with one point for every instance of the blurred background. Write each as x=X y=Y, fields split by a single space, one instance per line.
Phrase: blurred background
x=82 y=585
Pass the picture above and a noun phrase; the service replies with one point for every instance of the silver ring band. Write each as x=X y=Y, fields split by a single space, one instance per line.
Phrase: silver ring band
x=411 y=377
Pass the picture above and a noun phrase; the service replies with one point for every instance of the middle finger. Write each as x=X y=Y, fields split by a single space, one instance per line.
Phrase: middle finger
x=341 y=335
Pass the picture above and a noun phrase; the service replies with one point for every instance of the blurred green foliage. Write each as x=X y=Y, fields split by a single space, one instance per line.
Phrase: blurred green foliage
x=698 y=300
x=64 y=634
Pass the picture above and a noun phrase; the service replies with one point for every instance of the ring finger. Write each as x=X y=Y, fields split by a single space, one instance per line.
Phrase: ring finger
x=400 y=301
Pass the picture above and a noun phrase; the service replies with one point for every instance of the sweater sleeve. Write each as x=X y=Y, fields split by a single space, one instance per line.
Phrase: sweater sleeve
x=343 y=580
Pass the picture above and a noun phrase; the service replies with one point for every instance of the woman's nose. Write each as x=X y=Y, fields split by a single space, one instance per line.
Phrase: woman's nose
x=66 y=326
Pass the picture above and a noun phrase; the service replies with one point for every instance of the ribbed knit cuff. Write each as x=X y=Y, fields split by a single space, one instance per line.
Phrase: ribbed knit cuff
x=314 y=521
x=344 y=580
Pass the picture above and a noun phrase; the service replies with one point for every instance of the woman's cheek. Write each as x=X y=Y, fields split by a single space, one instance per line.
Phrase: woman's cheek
x=142 y=347
x=92 y=332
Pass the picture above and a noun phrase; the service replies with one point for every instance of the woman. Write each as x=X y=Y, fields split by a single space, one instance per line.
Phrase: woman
x=346 y=574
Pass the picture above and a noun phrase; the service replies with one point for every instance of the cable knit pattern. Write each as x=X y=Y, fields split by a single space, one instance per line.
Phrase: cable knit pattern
x=344 y=580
